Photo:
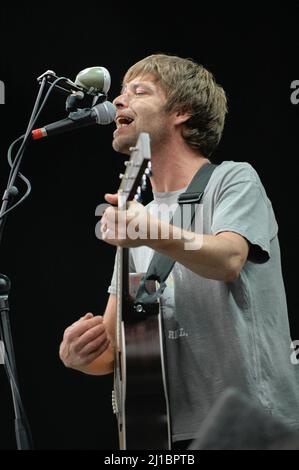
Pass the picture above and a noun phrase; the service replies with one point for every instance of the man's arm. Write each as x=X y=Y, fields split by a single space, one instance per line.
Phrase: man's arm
x=88 y=344
x=220 y=257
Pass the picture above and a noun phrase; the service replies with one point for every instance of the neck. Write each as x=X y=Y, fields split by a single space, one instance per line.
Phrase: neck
x=173 y=170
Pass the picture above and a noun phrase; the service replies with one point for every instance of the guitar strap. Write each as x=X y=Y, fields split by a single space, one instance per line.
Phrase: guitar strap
x=161 y=265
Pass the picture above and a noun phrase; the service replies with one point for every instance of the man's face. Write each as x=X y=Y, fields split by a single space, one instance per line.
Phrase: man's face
x=140 y=108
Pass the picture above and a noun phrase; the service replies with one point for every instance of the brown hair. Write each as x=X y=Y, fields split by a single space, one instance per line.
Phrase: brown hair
x=189 y=87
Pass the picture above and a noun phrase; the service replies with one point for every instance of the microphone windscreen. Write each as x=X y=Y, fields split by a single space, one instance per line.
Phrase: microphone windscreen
x=105 y=112
x=94 y=79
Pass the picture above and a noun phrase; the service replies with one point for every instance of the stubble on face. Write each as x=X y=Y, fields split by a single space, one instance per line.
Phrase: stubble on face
x=123 y=144
x=150 y=117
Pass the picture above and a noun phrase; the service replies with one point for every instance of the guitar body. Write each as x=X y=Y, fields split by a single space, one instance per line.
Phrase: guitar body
x=139 y=398
x=140 y=386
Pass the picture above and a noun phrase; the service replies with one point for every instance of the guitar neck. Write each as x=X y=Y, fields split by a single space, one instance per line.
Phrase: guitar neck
x=123 y=275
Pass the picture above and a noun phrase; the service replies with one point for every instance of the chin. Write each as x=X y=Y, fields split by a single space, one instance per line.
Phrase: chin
x=123 y=144
x=121 y=147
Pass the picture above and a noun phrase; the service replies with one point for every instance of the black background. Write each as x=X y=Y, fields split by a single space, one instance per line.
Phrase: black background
x=58 y=268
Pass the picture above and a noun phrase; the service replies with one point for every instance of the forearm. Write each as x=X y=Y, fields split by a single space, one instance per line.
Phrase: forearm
x=102 y=365
x=88 y=344
x=214 y=257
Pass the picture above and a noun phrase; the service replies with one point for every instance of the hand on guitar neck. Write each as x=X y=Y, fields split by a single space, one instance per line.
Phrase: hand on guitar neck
x=128 y=228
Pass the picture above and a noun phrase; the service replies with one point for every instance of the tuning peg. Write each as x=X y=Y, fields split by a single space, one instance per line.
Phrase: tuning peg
x=121 y=175
x=137 y=196
x=143 y=182
x=148 y=170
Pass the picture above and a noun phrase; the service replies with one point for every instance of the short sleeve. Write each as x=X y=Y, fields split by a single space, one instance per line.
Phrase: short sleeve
x=242 y=206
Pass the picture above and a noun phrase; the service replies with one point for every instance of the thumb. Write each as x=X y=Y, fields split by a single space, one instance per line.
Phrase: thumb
x=111 y=198
x=87 y=316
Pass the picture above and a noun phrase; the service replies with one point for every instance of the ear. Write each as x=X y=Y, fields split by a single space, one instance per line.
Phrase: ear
x=180 y=117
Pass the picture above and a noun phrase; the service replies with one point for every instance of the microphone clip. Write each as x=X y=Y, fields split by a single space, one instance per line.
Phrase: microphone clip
x=76 y=100
x=78 y=97
x=65 y=85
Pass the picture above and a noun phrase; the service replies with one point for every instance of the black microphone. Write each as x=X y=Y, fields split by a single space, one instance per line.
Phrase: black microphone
x=103 y=113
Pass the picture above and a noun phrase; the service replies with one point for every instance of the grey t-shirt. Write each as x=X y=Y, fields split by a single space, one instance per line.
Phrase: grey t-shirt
x=228 y=334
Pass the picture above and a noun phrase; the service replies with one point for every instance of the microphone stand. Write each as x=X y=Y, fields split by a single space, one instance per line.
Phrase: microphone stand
x=22 y=433
x=22 y=430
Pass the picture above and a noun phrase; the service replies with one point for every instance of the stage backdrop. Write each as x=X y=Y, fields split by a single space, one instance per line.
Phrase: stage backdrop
x=58 y=269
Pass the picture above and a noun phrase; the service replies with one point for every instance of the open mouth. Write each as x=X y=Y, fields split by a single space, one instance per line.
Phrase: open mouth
x=123 y=121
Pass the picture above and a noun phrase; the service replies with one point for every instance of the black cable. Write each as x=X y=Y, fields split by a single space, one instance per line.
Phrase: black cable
x=18 y=158
x=19 y=410
x=27 y=133
x=26 y=181
x=31 y=123
x=22 y=428
x=9 y=153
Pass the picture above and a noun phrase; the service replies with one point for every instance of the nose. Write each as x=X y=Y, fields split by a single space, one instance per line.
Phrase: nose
x=121 y=101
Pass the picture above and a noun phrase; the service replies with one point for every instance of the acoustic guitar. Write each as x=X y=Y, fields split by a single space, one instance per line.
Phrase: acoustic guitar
x=139 y=397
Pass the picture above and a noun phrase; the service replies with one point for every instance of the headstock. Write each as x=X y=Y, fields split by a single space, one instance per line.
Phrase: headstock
x=138 y=167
